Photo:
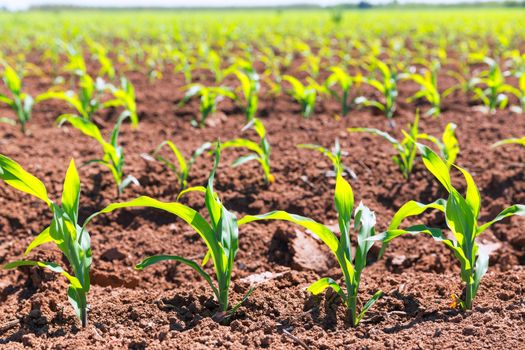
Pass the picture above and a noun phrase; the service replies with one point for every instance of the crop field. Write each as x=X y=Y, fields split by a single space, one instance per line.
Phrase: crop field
x=281 y=179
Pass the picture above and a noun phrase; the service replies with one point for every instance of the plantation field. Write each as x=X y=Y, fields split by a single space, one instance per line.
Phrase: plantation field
x=445 y=84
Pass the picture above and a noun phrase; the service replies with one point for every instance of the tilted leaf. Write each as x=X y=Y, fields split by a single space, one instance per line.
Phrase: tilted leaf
x=316 y=228
x=14 y=175
x=318 y=287
x=71 y=192
x=436 y=166
x=368 y=305
x=42 y=238
x=75 y=283
x=516 y=209
x=158 y=258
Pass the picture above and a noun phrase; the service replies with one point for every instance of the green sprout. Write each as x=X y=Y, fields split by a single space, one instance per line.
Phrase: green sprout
x=462 y=214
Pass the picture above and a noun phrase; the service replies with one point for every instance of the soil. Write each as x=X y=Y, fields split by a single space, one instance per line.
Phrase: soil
x=169 y=306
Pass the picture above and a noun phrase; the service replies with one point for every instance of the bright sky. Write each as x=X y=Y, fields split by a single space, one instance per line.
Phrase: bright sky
x=22 y=4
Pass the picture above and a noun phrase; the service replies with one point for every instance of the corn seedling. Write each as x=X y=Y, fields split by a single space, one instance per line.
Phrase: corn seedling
x=345 y=82
x=100 y=53
x=333 y=154
x=20 y=102
x=209 y=98
x=184 y=166
x=70 y=238
x=113 y=157
x=221 y=236
x=491 y=87
x=386 y=86
x=259 y=151
x=305 y=95
x=312 y=65
x=86 y=101
x=428 y=88
x=351 y=267
x=183 y=64
x=406 y=149
x=462 y=214
x=124 y=96
x=250 y=86
x=448 y=146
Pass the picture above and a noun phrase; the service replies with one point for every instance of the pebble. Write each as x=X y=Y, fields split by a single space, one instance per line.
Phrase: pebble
x=469 y=330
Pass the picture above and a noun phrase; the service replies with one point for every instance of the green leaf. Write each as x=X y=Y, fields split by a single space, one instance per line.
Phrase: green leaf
x=71 y=192
x=75 y=283
x=397 y=145
x=412 y=208
x=244 y=159
x=7 y=121
x=336 y=161
x=201 y=189
x=481 y=268
x=212 y=202
x=344 y=204
x=516 y=209
x=365 y=221
x=76 y=300
x=436 y=166
x=12 y=80
x=234 y=309
x=473 y=197
x=189 y=215
x=158 y=258
x=368 y=305
x=518 y=141
x=451 y=143
x=87 y=127
x=243 y=143
x=14 y=175
x=42 y=238
x=318 y=287
x=318 y=229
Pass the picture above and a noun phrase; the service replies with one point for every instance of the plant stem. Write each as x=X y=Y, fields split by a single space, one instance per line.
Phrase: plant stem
x=83 y=316
x=223 y=299
x=469 y=296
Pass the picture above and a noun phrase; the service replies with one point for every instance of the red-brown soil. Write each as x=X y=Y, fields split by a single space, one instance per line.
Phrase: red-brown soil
x=169 y=306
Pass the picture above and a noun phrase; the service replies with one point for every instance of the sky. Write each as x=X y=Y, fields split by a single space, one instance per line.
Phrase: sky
x=23 y=4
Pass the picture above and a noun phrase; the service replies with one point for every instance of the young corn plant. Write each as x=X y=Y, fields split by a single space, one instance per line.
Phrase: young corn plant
x=113 y=157
x=491 y=87
x=351 y=266
x=259 y=151
x=101 y=54
x=386 y=86
x=345 y=82
x=448 y=146
x=250 y=86
x=184 y=166
x=86 y=102
x=333 y=154
x=210 y=97
x=221 y=236
x=124 y=96
x=64 y=231
x=406 y=149
x=462 y=214
x=20 y=102
x=428 y=90
x=305 y=95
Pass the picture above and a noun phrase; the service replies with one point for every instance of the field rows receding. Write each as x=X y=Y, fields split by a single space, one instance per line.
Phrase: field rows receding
x=171 y=305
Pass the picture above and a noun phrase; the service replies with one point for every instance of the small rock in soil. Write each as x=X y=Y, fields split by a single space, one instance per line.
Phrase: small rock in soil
x=113 y=254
